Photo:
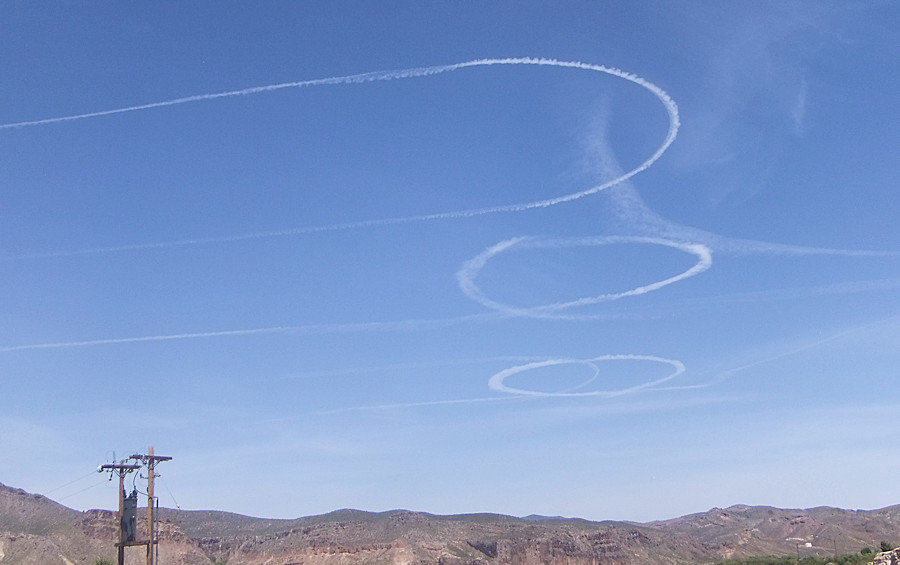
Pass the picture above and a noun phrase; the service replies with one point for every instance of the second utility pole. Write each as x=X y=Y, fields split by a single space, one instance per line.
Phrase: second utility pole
x=150 y=460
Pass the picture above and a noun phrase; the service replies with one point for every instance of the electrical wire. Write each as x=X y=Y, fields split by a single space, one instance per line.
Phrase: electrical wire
x=134 y=479
x=69 y=483
x=81 y=491
x=166 y=486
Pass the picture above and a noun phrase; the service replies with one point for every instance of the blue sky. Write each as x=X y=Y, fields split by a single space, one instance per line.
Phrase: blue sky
x=659 y=280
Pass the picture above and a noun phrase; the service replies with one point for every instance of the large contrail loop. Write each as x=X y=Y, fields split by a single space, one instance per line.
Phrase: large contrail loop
x=659 y=93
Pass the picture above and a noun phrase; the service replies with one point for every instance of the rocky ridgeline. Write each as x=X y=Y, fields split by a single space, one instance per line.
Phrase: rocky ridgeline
x=37 y=531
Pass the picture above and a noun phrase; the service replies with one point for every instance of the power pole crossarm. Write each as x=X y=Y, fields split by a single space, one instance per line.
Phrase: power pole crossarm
x=150 y=458
x=119 y=467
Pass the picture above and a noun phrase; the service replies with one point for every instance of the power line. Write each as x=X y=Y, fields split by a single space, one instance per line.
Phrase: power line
x=80 y=491
x=166 y=486
x=68 y=483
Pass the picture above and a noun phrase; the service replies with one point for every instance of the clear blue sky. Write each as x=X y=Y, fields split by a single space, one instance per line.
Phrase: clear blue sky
x=415 y=291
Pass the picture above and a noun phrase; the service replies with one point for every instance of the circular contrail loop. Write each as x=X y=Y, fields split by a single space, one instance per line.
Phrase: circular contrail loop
x=471 y=268
x=496 y=382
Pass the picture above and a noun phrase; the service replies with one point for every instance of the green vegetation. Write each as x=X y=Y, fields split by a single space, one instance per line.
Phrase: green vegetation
x=886 y=546
x=215 y=561
x=103 y=562
x=849 y=559
x=458 y=552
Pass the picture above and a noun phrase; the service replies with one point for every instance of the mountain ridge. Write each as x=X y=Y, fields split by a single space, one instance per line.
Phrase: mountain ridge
x=35 y=530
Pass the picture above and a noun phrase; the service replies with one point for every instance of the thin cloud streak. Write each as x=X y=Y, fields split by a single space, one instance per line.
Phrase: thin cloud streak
x=727 y=374
x=311 y=329
x=796 y=293
x=851 y=287
x=403 y=405
x=408 y=366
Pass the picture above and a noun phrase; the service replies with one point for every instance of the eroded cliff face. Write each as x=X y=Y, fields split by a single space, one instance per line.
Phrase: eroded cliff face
x=399 y=552
x=389 y=554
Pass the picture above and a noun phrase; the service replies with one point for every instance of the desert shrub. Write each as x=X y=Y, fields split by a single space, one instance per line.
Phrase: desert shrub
x=851 y=559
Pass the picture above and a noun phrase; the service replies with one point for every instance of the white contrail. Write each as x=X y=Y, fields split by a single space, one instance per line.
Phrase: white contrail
x=470 y=269
x=310 y=329
x=409 y=366
x=219 y=239
x=400 y=405
x=661 y=95
x=496 y=382
x=347 y=79
x=797 y=293
x=167 y=337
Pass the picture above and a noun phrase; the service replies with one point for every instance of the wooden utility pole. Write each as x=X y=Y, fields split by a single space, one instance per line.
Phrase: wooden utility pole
x=150 y=459
x=120 y=469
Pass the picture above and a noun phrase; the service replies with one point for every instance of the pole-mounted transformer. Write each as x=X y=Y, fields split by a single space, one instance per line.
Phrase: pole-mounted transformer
x=128 y=506
x=129 y=517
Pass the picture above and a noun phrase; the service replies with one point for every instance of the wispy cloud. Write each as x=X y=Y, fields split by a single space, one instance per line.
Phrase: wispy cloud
x=634 y=216
x=798 y=109
x=754 y=53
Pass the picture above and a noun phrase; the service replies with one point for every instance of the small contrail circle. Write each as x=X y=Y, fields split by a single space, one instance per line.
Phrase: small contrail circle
x=496 y=382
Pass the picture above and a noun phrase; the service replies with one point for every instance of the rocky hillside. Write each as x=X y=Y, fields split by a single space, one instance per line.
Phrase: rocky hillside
x=36 y=530
x=761 y=530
